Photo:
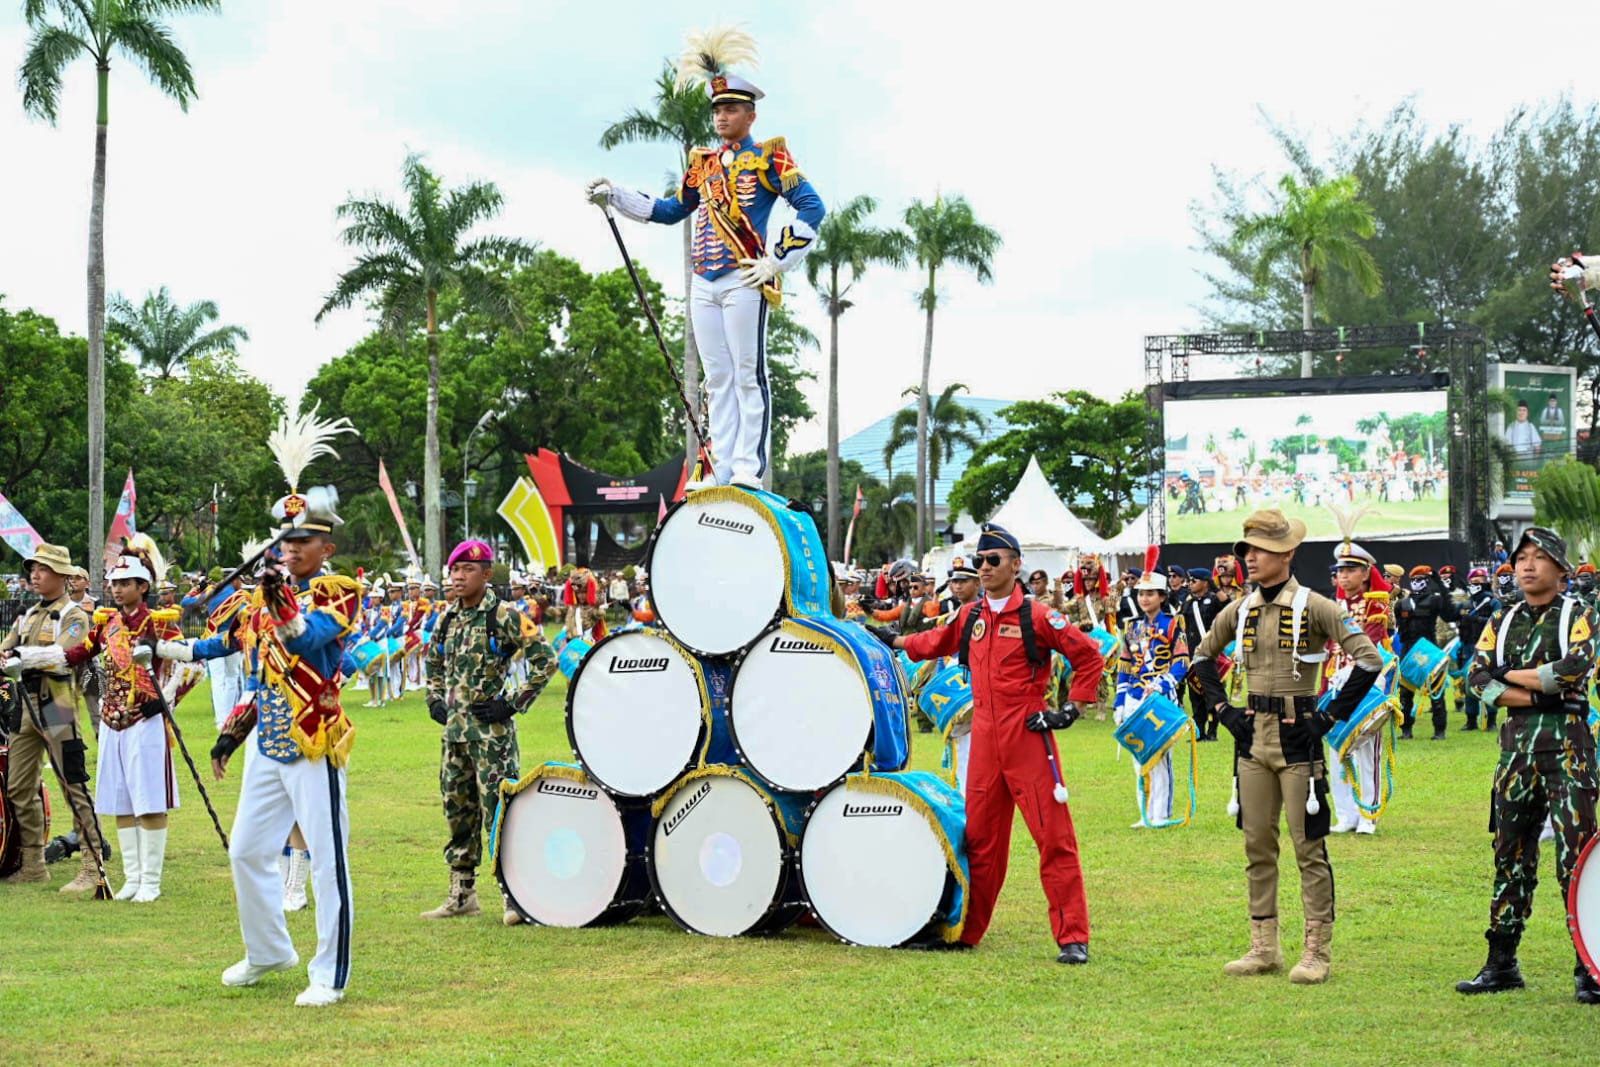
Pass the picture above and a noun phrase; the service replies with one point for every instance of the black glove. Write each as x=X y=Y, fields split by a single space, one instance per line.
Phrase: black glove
x=224 y=748
x=150 y=709
x=1040 y=721
x=438 y=711
x=490 y=712
x=1240 y=726
x=272 y=590
x=884 y=634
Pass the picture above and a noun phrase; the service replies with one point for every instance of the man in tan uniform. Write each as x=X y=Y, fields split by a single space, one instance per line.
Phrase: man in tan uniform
x=1283 y=631
x=49 y=719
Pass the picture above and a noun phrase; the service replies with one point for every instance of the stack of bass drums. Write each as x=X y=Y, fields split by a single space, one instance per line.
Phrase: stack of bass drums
x=742 y=762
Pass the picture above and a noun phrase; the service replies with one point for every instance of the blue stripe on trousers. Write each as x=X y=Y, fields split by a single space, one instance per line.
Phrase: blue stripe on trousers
x=341 y=966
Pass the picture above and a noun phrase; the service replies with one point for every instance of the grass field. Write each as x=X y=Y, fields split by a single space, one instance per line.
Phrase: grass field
x=1411 y=517
x=101 y=983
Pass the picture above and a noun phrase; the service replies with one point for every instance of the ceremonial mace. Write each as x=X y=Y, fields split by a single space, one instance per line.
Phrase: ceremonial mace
x=655 y=328
x=142 y=656
x=102 y=889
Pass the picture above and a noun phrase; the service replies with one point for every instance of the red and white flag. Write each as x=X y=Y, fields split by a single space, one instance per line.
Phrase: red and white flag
x=394 y=506
x=124 y=524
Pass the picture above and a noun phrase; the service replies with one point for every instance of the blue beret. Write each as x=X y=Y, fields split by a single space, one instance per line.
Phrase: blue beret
x=1199 y=572
x=993 y=536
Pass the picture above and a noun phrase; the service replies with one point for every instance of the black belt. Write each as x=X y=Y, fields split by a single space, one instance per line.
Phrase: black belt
x=1281 y=706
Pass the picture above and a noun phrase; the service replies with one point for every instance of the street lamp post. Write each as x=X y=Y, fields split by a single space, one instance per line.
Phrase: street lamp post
x=468 y=484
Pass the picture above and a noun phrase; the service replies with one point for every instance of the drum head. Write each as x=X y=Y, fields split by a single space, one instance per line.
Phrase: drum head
x=562 y=851
x=1583 y=907
x=873 y=868
x=799 y=712
x=716 y=574
x=718 y=859
x=634 y=713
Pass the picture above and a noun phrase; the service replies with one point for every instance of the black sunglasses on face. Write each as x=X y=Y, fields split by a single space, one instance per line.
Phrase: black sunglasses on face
x=991 y=559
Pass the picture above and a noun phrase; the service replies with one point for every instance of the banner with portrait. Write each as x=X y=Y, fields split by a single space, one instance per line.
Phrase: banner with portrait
x=1541 y=427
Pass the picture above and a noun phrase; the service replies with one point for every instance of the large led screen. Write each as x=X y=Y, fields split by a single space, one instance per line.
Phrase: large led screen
x=1384 y=451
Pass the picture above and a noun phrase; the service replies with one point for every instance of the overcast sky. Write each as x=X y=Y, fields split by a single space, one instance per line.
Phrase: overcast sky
x=1082 y=135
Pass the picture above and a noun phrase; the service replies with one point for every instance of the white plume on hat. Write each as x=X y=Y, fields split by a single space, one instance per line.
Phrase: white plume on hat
x=140 y=559
x=708 y=53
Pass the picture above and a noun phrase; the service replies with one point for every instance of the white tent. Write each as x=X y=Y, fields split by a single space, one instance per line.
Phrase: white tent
x=1127 y=547
x=1050 y=534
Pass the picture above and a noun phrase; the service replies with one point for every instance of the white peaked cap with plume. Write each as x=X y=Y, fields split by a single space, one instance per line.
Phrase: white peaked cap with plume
x=708 y=56
x=295 y=443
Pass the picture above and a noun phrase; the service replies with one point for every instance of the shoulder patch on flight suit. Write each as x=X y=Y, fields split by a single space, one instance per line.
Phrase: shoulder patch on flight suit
x=1056 y=620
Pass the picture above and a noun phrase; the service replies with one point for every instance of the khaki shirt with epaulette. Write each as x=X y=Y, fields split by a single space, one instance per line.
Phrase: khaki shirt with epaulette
x=60 y=622
x=1266 y=648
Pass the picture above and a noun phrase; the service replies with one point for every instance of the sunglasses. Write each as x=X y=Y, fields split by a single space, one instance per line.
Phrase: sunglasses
x=989 y=559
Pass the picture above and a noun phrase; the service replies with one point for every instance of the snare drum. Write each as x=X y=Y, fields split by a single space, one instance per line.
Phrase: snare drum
x=1583 y=908
x=727 y=561
x=1153 y=728
x=566 y=853
x=883 y=859
x=571 y=655
x=1108 y=642
x=642 y=710
x=1369 y=717
x=722 y=855
x=368 y=655
x=946 y=697
x=1425 y=668
x=814 y=698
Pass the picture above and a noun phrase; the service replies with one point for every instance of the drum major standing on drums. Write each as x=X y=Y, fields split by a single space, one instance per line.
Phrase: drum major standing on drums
x=1282 y=630
x=1534 y=659
x=1008 y=654
x=468 y=658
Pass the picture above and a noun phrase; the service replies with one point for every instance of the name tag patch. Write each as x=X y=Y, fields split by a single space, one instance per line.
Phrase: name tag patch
x=1010 y=631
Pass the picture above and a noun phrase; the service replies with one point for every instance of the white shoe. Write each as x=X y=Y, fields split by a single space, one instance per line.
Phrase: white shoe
x=745 y=481
x=1367 y=826
x=318 y=996
x=1139 y=825
x=128 y=842
x=1341 y=827
x=152 y=857
x=245 y=973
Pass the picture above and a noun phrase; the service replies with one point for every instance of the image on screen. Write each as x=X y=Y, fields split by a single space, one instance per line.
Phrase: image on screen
x=1386 y=451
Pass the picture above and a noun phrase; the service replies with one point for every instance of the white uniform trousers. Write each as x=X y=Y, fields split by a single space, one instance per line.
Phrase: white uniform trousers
x=963 y=747
x=1158 y=807
x=227 y=685
x=730 y=328
x=1365 y=757
x=134 y=773
x=273 y=798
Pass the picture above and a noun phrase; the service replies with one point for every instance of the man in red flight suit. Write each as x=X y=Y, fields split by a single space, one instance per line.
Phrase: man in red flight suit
x=1009 y=766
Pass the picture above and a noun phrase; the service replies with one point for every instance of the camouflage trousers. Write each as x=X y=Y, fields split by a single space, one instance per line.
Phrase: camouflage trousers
x=1527 y=787
x=470 y=773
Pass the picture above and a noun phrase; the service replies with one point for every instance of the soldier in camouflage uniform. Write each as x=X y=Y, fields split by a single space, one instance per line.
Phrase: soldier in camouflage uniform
x=468 y=658
x=1533 y=659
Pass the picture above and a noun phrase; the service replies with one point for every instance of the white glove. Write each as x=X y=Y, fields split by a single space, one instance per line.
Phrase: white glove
x=754 y=273
x=182 y=651
x=12 y=668
x=41 y=657
x=599 y=192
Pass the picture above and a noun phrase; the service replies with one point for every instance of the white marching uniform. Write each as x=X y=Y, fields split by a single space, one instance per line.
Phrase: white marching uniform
x=134 y=774
x=1364 y=755
x=227 y=685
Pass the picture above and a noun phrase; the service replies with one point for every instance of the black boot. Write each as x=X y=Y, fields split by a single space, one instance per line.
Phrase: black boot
x=1488 y=718
x=1472 y=723
x=1440 y=720
x=1586 y=989
x=1405 y=732
x=1074 y=952
x=1500 y=972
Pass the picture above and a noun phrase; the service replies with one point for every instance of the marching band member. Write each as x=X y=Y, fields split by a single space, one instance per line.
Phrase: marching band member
x=293 y=632
x=731 y=190
x=1363 y=597
x=581 y=595
x=1226 y=579
x=1198 y=613
x=1282 y=630
x=1417 y=614
x=1482 y=605
x=962 y=581
x=1092 y=607
x=226 y=672
x=1005 y=637
x=1154 y=658
x=134 y=777
x=467 y=662
x=1534 y=659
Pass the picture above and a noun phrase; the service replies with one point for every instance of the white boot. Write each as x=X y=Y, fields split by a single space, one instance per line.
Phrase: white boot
x=152 y=857
x=294 y=887
x=128 y=843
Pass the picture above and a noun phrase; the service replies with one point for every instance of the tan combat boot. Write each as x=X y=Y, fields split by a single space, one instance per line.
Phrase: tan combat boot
x=33 y=868
x=463 y=898
x=88 y=877
x=1264 y=956
x=1317 y=958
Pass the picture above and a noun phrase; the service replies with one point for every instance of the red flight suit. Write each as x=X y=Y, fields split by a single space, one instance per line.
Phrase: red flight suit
x=1008 y=768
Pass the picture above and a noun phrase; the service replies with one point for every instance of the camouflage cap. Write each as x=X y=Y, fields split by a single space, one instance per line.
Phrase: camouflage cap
x=1547 y=541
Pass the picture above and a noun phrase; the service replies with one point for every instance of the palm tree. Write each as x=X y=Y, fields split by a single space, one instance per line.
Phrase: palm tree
x=948 y=423
x=1313 y=227
x=100 y=30
x=167 y=336
x=845 y=247
x=408 y=258
x=682 y=117
x=943 y=232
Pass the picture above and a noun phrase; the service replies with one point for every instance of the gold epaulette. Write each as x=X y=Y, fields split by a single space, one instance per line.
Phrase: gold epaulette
x=103 y=615
x=166 y=614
